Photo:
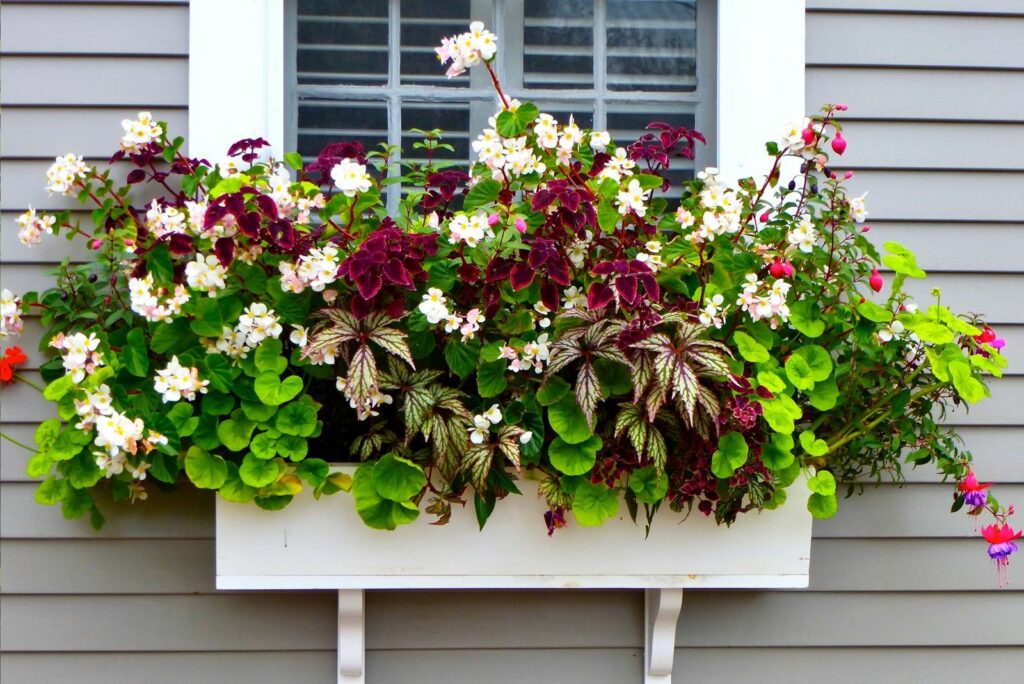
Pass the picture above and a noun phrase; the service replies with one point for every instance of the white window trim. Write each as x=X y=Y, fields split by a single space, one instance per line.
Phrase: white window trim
x=237 y=90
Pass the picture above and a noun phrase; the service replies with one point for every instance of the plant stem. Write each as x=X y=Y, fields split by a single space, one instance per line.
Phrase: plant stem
x=25 y=380
x=14 y=441
x=887 y=414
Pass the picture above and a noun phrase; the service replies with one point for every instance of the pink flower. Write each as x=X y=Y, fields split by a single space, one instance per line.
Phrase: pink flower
x=876 y=280
x=493 y=219
x=521 y=225
x=974 y=492
x=838 y=143
x=808 y=135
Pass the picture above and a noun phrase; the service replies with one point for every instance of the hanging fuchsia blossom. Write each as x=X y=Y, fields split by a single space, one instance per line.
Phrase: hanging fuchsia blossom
x=1001 y=545
x=973 y=491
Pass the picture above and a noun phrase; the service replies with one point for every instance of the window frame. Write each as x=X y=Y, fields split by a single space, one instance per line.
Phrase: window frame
x=751 y=105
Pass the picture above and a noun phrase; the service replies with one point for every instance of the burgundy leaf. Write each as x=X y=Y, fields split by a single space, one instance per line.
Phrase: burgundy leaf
x=570 y=200
x=538 y=256
x=395 y=271
x=282 y=233
x=764 y=393
x=627 y=286
x=249 y=224
x=235 y=203
x=469 y=273
x=521 y=276
x=558 y=270
x=179 y=244
x=136 y=176
x=599 y=296
x=396 y=307
x=360 y=307
x=267 y=205
x=214 y=213
x=542 y=199
x=224 y=248
x=498 y=270
x=650 y=286
x=549 y=295
x=369 y=285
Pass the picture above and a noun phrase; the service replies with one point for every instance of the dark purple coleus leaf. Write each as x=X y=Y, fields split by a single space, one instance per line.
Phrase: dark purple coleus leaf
x=396 y=273
x=521 y=276
x=179 y=244
x=331 y=155
x=249 y=224
x=267 y=206
x=224 y=248
x=599 y=296
x=549 y=295
x=498 y=270
x=282 y=233
x=626 y=286
x=558 y=270
x=369 y=285
x=468 y=273
x=136 y=176
x=542 y=199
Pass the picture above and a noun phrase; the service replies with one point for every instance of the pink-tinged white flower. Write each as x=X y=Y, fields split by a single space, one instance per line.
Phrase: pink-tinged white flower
x=299 y=336
x=471 y=324
x=712 y=314
x=452 y=323
x=769 y=303
x=803 y=236
x=231 y=343
x=31 y=227
x=79 y=352
x=163 y=220
x=619 y=166
x=259 y=323
x=117 y=433
x=633 y=198
x=467 y=49
x=891 y=332
x=599 y=140
x=470 y=229
x=154 y=305
x=433 y=306
x=176 y=382
x=351 y=177
x=369 y=407
x=64 y=173
x=509 y=353
x=793 y=138
x=96 y=404
x=138 y=472
x=858 y=211
x=206 y=273
x=574 y=298
x=10 y=314
x=319 y=268
x=139 y=133
x=481 y=428
x=684 y=218
x=341 y=384
x=536 y=354
x=111 y=463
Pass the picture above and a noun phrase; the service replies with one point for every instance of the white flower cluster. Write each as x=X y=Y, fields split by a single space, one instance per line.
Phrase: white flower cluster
x=722 y=210
x=470 y=229
x=633 y=198
x=147 y=303
x=467 y=49
x=434 y=306
x=96 y=404
x=482 y=424
x=64 y=173
x=138 y=133
x=798 y=136
x=511 y=156
x=803 y=236
x=315 y=270
x=533 y=357
x=350 y=176
x=256 y=324
x=176 y=382
x=10 y=314
x=713 y=312
x=206 y=273
x=467 y=326
x=369 y=407
x=768 y=304
x=79 y=353
x=619 y=166
x=162 y=220
x=117 y=435
x=857 y=208
x=31 y=227
x=574 y=298
x=580 y=249
x=652 y=255
x=305 y=205
x=280 y=181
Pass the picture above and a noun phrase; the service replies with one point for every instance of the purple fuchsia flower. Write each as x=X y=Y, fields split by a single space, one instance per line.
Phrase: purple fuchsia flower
x=1001 y=545
x=973 y=491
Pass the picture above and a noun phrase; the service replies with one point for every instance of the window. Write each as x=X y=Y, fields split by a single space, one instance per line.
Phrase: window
x=366 y=69
x=746 y=81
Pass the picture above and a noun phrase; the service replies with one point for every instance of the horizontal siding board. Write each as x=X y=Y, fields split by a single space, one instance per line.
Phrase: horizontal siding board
x=939 y=195
x=924 y=6
x=959 y=247
x=919 y=94
x=51 y=250
x=41 y=133
x=186 y=566
x=83 y=30
x=100 y=81
x=914 y=40
x=931 y=145
x=25 y=185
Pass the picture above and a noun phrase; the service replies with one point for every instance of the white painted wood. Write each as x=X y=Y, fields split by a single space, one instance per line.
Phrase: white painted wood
x=661 y=616
x=226 y=104
x=760 y=80
x=351 y=636
x=324 y=545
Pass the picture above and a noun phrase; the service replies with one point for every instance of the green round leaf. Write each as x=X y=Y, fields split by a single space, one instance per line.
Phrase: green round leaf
x=234 y=489
x=568 y=420
x=490 y=378
x=824 y=395
x=615 y=377
x=799 y=373
x=777 y=454
x=483 y=193
x=205 y=470
x=134 y=353
x=592 y=504
x=814 y=446
x=397 y=479
x=731 y=454
x=749 y=348
x=817 y=359
x=292 y=447
x=376 y=511
x=552 y=391
x=314 y=471
x=804 y=317
x=257 y=472
x=461 y=356
x=268 y=357
x=297 y=418
x=263 y=446
x=822 y=505
x=770 y=381
x=236 y=434
x=823 y=483
x=647 y=485
x=574 y=459
x=273 y=391
x=781 y=412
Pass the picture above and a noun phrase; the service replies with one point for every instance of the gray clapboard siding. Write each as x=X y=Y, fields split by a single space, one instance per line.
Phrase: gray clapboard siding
x=958 y=246
x=34 y=133
x=25 y=180
x=931 y=145
x=102 y=29
x=950 y=7
x=98 y=81
x=909 y=40
x=940 y=195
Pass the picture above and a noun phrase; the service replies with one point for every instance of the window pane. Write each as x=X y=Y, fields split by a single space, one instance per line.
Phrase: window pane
x=628 y=125
x=451 y=117
x=652 y=45
x=424 y=23
x=342 y=42
x=558 y=44
x=322 y=122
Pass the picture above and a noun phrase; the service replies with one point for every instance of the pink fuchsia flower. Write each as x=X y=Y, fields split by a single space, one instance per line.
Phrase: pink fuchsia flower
x=973 y=491
x=808 y=135
x=1000 y=544
x=493 y=219
x=838 y=143
x=875 y=281
x=521 y=225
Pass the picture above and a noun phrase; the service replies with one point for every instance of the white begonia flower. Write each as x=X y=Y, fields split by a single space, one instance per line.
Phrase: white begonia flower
x=117 y=433
x=258 y=323
x=111 y=463
x=633 y=198
x=351 y=177
x=139 y=133
x=10 y=314
x=892 y=331
x=599 y=140
x=80 y=355
x=319 y=268
x=299 y=336
x=433 y=306
x=493 y=414
x=31 y=227
x=857 y=209
x=803 y=236
x=176 y=382
x=574 y=298
x=619 y=166
x=711 y=315
x=793 y=137
x=206 y=273
x=64 y=173
x=138 y=472
x=481 y=428
x=525 y=437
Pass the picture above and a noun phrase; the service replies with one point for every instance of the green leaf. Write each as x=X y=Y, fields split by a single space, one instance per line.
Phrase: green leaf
x=255 y=410
x=228 y=185
x=273 y=391
x=205 y=470
x=616 y=378
x=294 y=160
x=648 y=486
x=208 y=321
x=220 y=372
x=234 y=489
x=574 y=459
x=297 y=418
x=314 y=471
x=376 y=511
x=805 y=317
x=292 y=447
x=216 y=404
x=749 y=348
x=818 y=360
x=483 y=193
x=527 y=113
x=608 y=216
x=173 y=338
x=930 y=331
x=592 y=504
x=777 y=454
x=82 y=471
x=236 y=434
x=812 y=445
x=50 y=491
x=823 y=483
x=263 y=446
x=268 y=357
x=799 y=372
x=257 y=472
x=822 y=506
x=874 y=312
x=902 y=260
x=823 y=395
x=490 y=378
x=781 y=412
x=770 y=381
x=159 y=262
x=568 y=420
x=731 y=454
x=397 y=479
x=772 y=148
x=552 y=391
x=508 y=125
x=967 y=386
x=47 y=432
x=164 y=467
x=56 y=390
x=461 y=357
x=134 y=353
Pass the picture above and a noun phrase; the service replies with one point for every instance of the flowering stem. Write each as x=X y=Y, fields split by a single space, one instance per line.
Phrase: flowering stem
x=497 y=85
x=14 y=441
x=25 y=380
x=887 y=414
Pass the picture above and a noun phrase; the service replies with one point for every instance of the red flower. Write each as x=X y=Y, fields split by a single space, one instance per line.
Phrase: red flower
x=12 y=357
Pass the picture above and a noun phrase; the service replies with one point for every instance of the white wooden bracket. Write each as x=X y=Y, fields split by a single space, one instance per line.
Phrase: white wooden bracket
x=661 y=616
x=351 y=636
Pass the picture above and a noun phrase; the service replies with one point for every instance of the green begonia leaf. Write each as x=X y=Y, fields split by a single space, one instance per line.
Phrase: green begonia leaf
x=490 y=378
x=749 y=348
x=822 y=506
x=462 y=356
x=647 y=485
x=568 y=420
x=592 y=504
x=552 y=391
x=257 y=472
x=376 y=511
x=731 y=454
x=397 y=479
x=272 y=390
x=574 y=459
x=134 y=353
x=205 y=470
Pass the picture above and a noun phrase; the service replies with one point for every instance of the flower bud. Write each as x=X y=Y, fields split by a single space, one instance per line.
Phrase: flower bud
x=493 y=219
x=777 y=269
x=521 y=225
x=848 y=175
x=808 y=136
x=787 y=268
x=763 y=218
x=96 y=244
x=838 y=143
x=876 y=280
